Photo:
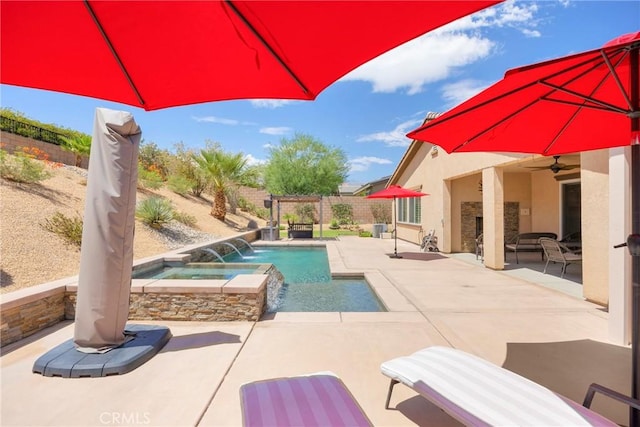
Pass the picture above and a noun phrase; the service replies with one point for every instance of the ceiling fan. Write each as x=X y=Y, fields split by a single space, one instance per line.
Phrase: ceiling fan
x=555 y=167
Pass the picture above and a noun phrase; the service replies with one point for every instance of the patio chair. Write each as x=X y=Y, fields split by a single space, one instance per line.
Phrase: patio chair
x=478 y=393
x=430 y=242
x=555 y=251
x=309 y=400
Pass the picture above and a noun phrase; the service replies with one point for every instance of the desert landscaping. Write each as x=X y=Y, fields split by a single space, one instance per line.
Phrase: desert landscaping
x=31 y=255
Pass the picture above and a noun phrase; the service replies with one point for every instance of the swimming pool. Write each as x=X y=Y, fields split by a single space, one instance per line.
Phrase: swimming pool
x=197 y=271
x=308 y=283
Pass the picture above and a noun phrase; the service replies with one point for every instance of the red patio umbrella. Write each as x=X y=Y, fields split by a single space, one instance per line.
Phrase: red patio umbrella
x=158 y=54
x=586 y=101
x=395 y=192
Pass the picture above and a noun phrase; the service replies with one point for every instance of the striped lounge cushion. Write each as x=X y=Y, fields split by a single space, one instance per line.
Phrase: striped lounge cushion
x=313 y=400
x=479 y=393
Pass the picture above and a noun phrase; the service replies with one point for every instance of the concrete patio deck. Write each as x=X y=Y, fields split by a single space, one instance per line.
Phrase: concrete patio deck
x=507 y=317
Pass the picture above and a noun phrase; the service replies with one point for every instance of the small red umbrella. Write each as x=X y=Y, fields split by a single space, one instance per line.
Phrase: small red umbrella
x=164 y=53
x=586 y=101
x=395 y=192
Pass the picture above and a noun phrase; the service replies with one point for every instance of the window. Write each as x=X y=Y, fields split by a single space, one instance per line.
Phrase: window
x=410 y=210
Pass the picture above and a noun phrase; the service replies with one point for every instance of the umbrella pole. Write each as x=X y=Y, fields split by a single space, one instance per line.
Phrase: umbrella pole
x=395 y=230
x=634 y=420
x=634 y=239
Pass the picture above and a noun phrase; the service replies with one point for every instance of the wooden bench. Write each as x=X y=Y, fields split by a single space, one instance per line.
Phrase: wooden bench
x=527 y=242
x=479 y=393
x=300 y=230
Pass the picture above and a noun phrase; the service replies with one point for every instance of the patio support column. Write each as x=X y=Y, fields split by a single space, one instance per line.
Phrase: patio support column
x=493 y=218
x=619 y=259
x=444 y=242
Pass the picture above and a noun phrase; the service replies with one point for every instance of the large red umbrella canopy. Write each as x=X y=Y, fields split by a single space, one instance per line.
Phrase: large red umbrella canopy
x=581 y=102
x=158 y=54
x=395 y=192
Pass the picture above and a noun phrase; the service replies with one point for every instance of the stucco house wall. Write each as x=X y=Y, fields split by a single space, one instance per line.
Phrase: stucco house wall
x=452 y=179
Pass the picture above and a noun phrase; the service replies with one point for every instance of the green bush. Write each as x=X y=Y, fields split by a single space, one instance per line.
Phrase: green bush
x=179 y=184
x=306 y=212
x=185 y=218
x=364 y=233
x=20 y=167
x=343 y=212
x=69 y=229
x=155 y=211
x=262 y=213
x=149 y=178
x=381 y=213
x=334 y=224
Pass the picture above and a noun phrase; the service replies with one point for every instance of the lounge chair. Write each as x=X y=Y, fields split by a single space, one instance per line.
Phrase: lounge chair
x=479 y=393
x=555 y=251
x=319 y=399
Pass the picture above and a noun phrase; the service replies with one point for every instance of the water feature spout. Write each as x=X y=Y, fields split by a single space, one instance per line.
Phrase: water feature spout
x=211 y=251
x=246 y=243
x=234 y=248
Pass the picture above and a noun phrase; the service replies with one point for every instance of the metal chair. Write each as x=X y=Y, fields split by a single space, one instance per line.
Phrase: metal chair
x=557 y=252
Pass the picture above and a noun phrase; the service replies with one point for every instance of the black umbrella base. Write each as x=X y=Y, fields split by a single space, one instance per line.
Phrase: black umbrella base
x=394 y=256
x=67 y=362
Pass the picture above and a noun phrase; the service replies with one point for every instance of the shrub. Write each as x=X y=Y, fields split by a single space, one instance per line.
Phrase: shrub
x=381 y=213
x=365 y=233
x=262 y=213
x=21 y=167
x=154 y=211
x=149 y=178
x=334 y=224
x=185 y=218
x=69 y=229
x=306 y=212
x=343 y=212
x=179 y=184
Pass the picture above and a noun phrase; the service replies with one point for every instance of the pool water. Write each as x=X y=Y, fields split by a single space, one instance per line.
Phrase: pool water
x=308 y=284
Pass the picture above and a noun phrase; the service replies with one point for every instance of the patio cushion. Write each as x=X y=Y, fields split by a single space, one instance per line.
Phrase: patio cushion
x=319 y=399
x=479 y=393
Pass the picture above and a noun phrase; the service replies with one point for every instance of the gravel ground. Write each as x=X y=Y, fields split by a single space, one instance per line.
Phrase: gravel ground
x=31 y=255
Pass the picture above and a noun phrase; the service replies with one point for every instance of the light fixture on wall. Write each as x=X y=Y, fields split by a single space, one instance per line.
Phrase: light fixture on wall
x=480 y=186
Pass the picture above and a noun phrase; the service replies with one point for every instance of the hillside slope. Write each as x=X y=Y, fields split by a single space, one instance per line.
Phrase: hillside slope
x=31 y=255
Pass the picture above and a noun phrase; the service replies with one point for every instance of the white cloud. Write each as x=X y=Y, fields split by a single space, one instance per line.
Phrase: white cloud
x=393 y=138
x=276 y=130
x=268 y=146
x=252 y=161
x=436 y=55
x=455 y=93
x=270 y=103
x=360 y=164
x=221 y=121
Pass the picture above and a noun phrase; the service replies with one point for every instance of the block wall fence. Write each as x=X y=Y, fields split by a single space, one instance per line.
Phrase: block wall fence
x=10 y=142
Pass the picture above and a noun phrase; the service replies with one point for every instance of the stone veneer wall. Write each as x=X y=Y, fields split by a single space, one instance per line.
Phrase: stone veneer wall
x=187 y=306
x=21 y=321
x=470 y=210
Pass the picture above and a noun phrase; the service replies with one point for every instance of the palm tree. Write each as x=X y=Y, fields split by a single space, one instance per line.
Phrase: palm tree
x=79 y=144
x=222 y=170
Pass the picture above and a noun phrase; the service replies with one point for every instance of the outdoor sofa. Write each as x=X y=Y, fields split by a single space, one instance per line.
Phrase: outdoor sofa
x=527 y=242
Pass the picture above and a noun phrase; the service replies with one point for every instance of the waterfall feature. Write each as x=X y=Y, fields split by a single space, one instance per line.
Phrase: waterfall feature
x=246 y=243
x=234 y=248
x=211 y=251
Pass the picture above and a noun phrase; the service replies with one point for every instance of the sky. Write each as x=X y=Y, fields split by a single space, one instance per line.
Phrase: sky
x=368 y=112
